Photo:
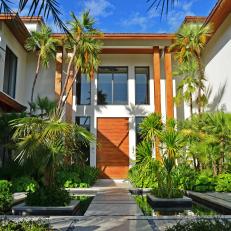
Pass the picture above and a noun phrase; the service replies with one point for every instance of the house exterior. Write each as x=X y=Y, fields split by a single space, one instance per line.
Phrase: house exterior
x=134 y=79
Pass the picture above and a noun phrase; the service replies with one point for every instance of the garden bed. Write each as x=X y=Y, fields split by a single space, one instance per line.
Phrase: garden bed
x=23 y=209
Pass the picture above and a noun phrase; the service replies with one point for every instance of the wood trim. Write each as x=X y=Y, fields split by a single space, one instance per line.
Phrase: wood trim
x=169 y=84
x=69 y=102
x=127 y=51
x=156 y=77
x=58 y=74
x=9 y=104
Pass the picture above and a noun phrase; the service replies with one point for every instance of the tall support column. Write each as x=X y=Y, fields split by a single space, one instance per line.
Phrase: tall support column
x=58 y=73
x=157 y=91
x=169 y=84
x=156 y=76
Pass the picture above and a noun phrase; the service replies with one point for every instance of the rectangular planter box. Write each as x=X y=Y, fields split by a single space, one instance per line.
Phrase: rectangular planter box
x=175 y=203
x=22 y=209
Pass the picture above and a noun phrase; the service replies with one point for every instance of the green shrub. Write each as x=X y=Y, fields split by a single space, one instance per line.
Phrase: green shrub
x=48 y=196
x=143 y=175
x=185 y=177
x=75 y=176
x=223 y=183
x=199 y=225
x=7 y=225
x=24 y=184
x=6 y=197
x=205 y=182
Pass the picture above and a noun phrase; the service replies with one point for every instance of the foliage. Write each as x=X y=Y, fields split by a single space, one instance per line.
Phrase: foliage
x=201 y=224
x=43 y=140
x=144 y=205
x=205 y=182
x=48 y=196
x=24 y=184
x=223 y=183
x=6 y=197
x=77 y=176
x=184 y=176
x=8 y=225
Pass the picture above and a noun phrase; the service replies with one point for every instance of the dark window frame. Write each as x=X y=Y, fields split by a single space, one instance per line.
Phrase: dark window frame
x=113 y=85
x=147 y=87
x=79 y=84
x=8 y=90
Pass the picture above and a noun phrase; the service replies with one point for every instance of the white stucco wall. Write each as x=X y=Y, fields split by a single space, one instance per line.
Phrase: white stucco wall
x=8 y=39
x=217 y=60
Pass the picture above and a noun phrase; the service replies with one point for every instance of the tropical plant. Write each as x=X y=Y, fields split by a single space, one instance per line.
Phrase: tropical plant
x=190 y=42
x=187 y=87
x=43 y=140
x=223 y=183
x=44 y=45
x=84 y=58
x=6 y=197
x=24 y=184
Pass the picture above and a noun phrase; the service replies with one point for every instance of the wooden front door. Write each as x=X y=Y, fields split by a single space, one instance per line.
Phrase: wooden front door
x=113 y=147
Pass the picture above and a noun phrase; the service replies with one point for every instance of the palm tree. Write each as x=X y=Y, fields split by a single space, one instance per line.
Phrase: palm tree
x=164 y=5
x=45 y=46
x=35 y=7
x=188 y=85
x=150 y=128
x=44 y=141
x=85 y=52
x=190 y=42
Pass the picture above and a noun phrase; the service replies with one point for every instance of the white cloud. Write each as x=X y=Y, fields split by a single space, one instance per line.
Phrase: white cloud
x=99 y=8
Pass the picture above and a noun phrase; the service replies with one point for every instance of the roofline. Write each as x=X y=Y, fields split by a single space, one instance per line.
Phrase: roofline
x=38 y=19
x=10 y=103
x=129 y=36
x=218 y=14
x=190 y=19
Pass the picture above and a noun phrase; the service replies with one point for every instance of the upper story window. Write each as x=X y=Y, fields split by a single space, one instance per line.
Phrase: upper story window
x=142 y=85
x=10 y=73
x=83 y=90
x=112 y=86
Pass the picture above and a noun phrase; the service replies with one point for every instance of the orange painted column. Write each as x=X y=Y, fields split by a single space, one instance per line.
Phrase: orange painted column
x=157 y=90
x=156 y=76
x=69 y=102
x=169 y=84
x=58 y=73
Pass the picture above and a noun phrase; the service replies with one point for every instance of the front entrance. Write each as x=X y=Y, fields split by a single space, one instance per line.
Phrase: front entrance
x=113 y=147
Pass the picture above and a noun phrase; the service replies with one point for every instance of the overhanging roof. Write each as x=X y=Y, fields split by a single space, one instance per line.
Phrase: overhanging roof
x=9 y=104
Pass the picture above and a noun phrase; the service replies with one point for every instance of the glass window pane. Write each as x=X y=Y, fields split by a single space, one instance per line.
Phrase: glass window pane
x=104 y=92
x=83 y=121
x=83 y=90
x=120 y=88
x=142 y=85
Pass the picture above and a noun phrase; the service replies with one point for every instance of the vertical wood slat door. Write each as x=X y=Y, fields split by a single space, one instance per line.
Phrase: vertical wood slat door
x=113 y=147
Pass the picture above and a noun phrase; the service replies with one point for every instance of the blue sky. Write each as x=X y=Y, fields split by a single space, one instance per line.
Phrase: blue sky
x=133 y=15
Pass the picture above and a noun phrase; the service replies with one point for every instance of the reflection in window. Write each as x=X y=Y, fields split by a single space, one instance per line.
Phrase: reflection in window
x=83 y=90
x=138 y=121
x=112 y=85
x=142 y=85
x=84 y=121
x=10 y=73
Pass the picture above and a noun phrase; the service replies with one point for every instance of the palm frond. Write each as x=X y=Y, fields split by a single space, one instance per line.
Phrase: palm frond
x=163 y=5
x=5 y=7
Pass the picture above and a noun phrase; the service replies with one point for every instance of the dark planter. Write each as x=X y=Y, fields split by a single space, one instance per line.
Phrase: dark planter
x=24 y=210
x=175 y=203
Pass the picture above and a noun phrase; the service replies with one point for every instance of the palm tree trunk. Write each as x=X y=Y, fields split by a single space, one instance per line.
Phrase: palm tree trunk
x=35 y=80
x=59 y=108
x=201 y=76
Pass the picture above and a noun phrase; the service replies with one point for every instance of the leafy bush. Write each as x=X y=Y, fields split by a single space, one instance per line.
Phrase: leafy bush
x=205 y=182
x=144 y=175
x=24 y=184
x=223 y=183
x=6 y=197
x=48 y=196
x=77 y=177
x=205 y=225
x=7 y=225
x=185 y=177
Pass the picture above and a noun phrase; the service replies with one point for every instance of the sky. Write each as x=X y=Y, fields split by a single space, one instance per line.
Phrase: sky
x=134 y=16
